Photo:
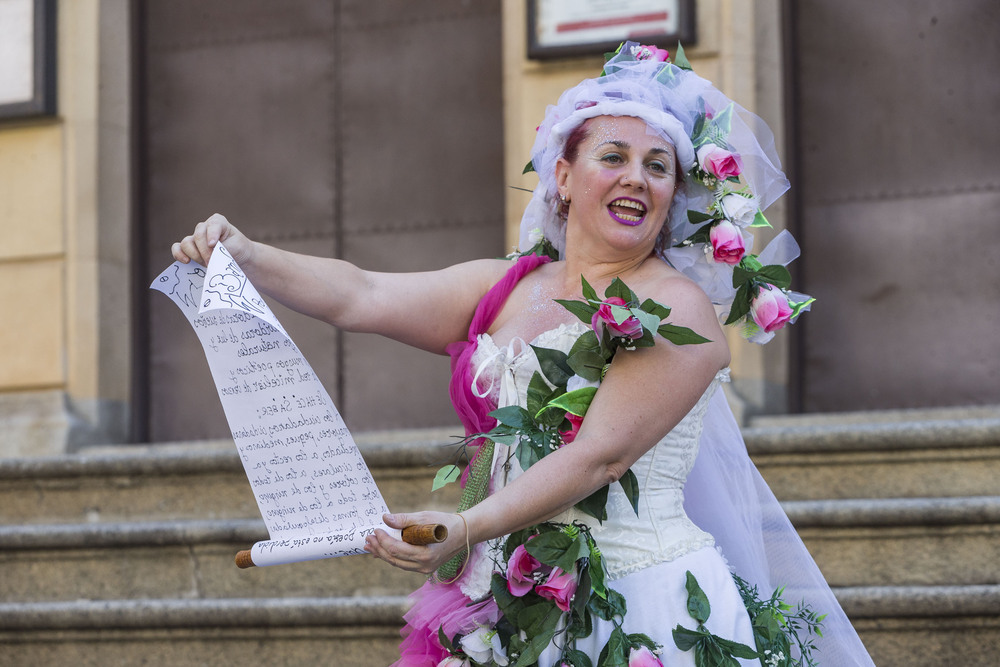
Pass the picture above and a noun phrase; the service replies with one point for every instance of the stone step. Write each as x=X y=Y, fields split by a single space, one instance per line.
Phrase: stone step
x=915 y=626
x=873 y=456
x=908 y=541
x=186 y=560
x=348 y=632
x=202 y=480
x=902 y=541
x=926 y=626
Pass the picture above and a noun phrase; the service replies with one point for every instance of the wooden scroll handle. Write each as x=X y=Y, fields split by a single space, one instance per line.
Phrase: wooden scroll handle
x=428 y=533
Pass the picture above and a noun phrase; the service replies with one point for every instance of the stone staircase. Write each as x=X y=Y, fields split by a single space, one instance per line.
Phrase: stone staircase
x=124 y=556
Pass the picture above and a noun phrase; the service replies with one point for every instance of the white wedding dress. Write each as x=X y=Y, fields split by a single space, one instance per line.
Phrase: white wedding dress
x=647 y=555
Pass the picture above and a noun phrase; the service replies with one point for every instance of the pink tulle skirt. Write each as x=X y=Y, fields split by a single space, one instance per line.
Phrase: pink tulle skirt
x=439 y=606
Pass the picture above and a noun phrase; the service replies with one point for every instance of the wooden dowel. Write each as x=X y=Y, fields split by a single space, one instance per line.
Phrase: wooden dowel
x=428 y=533
x=243 y=560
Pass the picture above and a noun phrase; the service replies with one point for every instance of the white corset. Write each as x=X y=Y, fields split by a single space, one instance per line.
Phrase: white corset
x=661 y=531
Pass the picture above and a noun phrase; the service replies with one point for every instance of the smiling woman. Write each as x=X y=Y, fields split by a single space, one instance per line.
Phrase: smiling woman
x=575 y=543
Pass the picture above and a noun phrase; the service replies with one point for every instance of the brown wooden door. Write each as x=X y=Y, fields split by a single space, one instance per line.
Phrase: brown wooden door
x=899 y=200
x=364 y=130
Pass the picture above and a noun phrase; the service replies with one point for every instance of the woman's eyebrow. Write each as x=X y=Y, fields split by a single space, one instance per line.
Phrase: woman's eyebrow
x=624 y=145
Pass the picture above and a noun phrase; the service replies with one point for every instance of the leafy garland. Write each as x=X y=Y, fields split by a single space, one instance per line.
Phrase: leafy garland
x=558 y=397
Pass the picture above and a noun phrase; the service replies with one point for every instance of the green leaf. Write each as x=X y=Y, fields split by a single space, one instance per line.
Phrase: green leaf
x=587 y=364
x=557 y=549
x=776 y=274
x=541 y=634
x=630 y=485
x=741 y=304
x=528 y=168
x=680 y=59
x=687 y=639
x=697 y=604
x=760 y=221
x=620 y=313
x=609 y=607
x=648 y=321
x=655 y=308
x=737 y=649
x=696 y=217
x=589 y=293
x=797 y=308
x=539 y=393
x=584 y=311
x=553 y=365
x=595 y=504
x=586 y=342
x=446 y=475
x=514 y=415
x=679 y=335
x=572 y=656
x=619 y=289
x=615 y=652
x=575 y=402
x=595 y=569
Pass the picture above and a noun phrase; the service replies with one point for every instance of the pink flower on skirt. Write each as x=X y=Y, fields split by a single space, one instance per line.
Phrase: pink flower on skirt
x=560 y=587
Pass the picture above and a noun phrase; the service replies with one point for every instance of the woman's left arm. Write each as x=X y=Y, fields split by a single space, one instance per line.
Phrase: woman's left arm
x=645 y=393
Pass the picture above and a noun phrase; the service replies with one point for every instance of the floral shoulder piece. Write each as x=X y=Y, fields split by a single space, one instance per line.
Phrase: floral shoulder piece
x=559 y=395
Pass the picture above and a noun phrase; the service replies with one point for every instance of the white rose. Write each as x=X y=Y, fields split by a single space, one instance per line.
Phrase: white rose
x=482 y=645
x=739 y=210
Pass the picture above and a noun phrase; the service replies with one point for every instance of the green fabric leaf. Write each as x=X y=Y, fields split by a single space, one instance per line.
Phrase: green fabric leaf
x=513 y=415
x=696 y=217
x=630 y=485
x=575 y=402
x=528 y=168
x=595 y=504
x=679 y=335
x=553 y=365
x=539 y=393
x=680 y=59
x=584 y=311
x=615 y=652
x=686 y=639
x=576 y=658
x=760 y=221
x=741 y=304
x=589 y=293
x=655 y=308
x=557 y=549
x=648 y=321
x=587 y=364
x=776 y=274
x=697 y=604
x=595 y=569
x=619 y=289
x=737 y=649
x=446 y=475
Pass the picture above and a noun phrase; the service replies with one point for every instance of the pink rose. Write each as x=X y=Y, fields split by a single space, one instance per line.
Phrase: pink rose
x=727 y=243
x=651 y=52
x=560 y=587
x=630 y=328
x=770 y=310
x=643 y=657
x=520 y=572
x=574 y=427
x=718 y=161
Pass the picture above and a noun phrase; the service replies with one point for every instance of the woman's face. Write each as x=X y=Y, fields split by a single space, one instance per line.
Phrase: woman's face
x=620 y=184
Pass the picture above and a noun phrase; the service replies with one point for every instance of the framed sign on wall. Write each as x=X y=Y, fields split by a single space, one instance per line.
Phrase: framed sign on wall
x=27 y=58
x=564 y=28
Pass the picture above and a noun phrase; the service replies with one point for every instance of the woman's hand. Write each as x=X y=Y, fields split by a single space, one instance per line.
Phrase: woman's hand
x=425 y=559
x=200 y=244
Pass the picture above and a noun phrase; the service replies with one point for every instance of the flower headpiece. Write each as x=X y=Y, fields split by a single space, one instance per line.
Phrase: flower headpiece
x=732 y=175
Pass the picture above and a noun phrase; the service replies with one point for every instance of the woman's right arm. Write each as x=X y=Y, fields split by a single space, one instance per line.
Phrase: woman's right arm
x=427 y=310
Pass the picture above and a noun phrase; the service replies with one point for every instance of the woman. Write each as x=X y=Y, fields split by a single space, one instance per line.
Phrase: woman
x=621 y=160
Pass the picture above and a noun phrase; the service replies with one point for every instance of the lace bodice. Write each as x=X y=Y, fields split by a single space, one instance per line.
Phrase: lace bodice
x=661 y=531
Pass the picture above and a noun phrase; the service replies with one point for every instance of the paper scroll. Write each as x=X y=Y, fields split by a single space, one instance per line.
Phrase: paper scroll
x=313 y=488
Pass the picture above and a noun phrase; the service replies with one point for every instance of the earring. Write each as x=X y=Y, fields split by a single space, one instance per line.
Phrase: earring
x=563 y=198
